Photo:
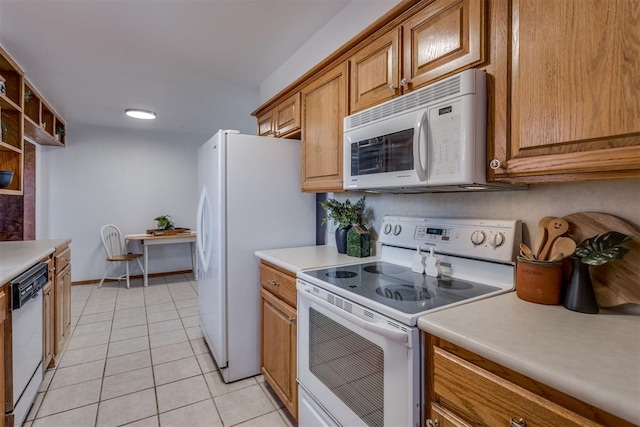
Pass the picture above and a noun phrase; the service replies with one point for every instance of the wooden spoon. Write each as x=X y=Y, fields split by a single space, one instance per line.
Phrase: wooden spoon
x=541 y=237
x=562 y=245
x=555 y=228
x=557 y=257
x=526 y=252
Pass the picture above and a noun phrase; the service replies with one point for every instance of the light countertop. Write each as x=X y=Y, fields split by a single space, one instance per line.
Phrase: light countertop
x=16 y=257
x=296 y=259
x=592 y=357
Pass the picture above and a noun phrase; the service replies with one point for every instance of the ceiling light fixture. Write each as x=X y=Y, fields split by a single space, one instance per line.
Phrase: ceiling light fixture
x=140 y=114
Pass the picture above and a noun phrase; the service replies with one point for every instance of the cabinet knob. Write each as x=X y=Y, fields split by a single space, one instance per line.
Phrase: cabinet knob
x=495 y=164
x=433 y=423
x=519 y=423
x=392 y=87
x=273 y=282
x=404 y=82
x=340 y=181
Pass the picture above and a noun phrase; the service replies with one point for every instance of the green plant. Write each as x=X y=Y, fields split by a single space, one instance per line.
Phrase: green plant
x=60 y=131
x=3 y=128
x=27 y=95
x=165 y=222
x=603 y=248
x=343 y=213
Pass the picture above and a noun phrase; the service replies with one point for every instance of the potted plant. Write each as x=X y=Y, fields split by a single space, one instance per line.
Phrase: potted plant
x=27 y=95
x=595 y=251
x=165 y=222
x=344 y=215
x=60 y=132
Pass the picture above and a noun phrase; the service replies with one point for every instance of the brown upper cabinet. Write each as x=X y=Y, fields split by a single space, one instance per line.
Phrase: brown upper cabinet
x=575 y=91
x=11 y=141
x=283 y=120
x=41 y=124
x=445 y=37
x=324 y=106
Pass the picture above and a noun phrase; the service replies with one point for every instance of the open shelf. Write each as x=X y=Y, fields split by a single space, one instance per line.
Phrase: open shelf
x=11 y=123
x=41 y=123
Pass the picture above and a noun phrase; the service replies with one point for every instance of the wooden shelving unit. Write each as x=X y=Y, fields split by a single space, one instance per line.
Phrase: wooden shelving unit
x=41 y=123
x=11 y=119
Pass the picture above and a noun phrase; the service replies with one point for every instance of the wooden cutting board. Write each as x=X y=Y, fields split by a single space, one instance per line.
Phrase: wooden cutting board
x=617 y=282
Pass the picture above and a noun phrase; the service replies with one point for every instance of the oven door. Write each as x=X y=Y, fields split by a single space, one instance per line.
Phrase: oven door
x=390 y=152
x=358 y=368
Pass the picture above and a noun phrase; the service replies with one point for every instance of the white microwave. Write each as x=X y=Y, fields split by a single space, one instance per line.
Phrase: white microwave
x=430 y=140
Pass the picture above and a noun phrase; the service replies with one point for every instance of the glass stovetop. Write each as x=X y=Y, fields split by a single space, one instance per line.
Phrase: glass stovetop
x=398 y=287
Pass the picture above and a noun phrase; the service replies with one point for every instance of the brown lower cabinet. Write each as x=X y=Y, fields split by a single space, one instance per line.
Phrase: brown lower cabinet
x=61 y=299
x=278 y=333
x=48 y=325
x=465 y=389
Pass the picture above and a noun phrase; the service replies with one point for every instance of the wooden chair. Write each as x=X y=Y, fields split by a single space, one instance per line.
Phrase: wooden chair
x=117 y=252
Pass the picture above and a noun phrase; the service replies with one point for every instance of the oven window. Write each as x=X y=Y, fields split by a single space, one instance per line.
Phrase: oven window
x=349 y=365
x=388 y=153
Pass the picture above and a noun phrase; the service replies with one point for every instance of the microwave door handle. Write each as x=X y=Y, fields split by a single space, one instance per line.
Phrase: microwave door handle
x=374 y=327
x=420 y=147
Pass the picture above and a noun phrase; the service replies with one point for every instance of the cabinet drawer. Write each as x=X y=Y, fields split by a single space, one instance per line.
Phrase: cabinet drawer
x=483 y=398
x=62 y=259
x=440 y=417
x=279 y=283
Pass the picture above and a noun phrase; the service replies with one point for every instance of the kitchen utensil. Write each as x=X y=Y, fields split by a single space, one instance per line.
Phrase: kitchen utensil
x=614 y=283
x=556 y=257
x=541 y=236
x=562 y=245
x=555 y=228
x=526 y=251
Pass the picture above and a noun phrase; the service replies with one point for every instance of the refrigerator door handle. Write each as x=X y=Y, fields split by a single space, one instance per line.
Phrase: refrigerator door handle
x=203 y=231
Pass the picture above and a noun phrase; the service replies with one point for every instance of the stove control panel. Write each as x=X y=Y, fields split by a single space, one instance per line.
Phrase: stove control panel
x=495 y=240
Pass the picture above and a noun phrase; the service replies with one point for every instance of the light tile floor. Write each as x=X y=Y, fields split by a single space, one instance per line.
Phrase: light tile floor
x=136 y=357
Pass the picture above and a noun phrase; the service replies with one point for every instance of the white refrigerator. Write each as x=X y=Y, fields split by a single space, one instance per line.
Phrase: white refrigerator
x=249 y=200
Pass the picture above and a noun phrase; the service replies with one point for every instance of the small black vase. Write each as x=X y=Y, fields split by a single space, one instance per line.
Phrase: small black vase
x=341 y=239
x=579 y=295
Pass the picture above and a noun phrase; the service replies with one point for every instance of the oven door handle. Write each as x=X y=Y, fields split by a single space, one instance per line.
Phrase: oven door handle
x=374 y=327
x=420 y=147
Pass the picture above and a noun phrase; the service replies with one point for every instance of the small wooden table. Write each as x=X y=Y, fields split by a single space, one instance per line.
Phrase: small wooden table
x=149 y=240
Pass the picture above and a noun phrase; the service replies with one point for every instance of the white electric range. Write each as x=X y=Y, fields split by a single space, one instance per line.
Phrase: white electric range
x=359 y=355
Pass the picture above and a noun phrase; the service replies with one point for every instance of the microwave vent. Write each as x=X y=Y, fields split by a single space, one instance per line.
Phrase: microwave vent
x=412 y=100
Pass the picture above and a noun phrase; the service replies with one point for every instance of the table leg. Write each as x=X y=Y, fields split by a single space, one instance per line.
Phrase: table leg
x=146 y=264
x=193 y=259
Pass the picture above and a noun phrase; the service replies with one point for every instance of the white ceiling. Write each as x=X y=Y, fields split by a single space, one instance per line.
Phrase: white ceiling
x=198 y=64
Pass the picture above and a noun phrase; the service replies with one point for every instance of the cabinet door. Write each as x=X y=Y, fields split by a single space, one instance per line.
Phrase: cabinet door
x=374 y=72
x=445 y=37
x=59 y=309
x=575 y=85
x=278 y=355
x=265 y=124
x=287 y=116
x=66 y=305
x=48 y=325
x=324 y=106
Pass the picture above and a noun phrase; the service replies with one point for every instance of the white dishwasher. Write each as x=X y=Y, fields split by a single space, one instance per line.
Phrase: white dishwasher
x=26 y=329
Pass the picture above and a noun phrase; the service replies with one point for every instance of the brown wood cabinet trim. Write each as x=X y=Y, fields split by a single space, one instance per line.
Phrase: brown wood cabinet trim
x=579 y=407
x=390 y=19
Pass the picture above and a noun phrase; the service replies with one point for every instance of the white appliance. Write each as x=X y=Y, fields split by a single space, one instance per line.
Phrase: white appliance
x=250 y=200
x=26 y=331
x=429 y=140
x=359 y=354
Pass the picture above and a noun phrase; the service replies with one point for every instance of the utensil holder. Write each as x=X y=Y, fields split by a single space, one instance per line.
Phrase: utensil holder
x=539 y=282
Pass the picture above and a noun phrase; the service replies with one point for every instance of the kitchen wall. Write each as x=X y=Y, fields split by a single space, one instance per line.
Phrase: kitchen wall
x=621 y=198
x=351 y=20
x=119 y=176
x=618 y=197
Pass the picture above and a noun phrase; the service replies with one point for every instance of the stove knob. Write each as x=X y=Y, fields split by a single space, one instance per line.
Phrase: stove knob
x=478 y=237
x=497 y=240
x=387 y=228
x=397 y=229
